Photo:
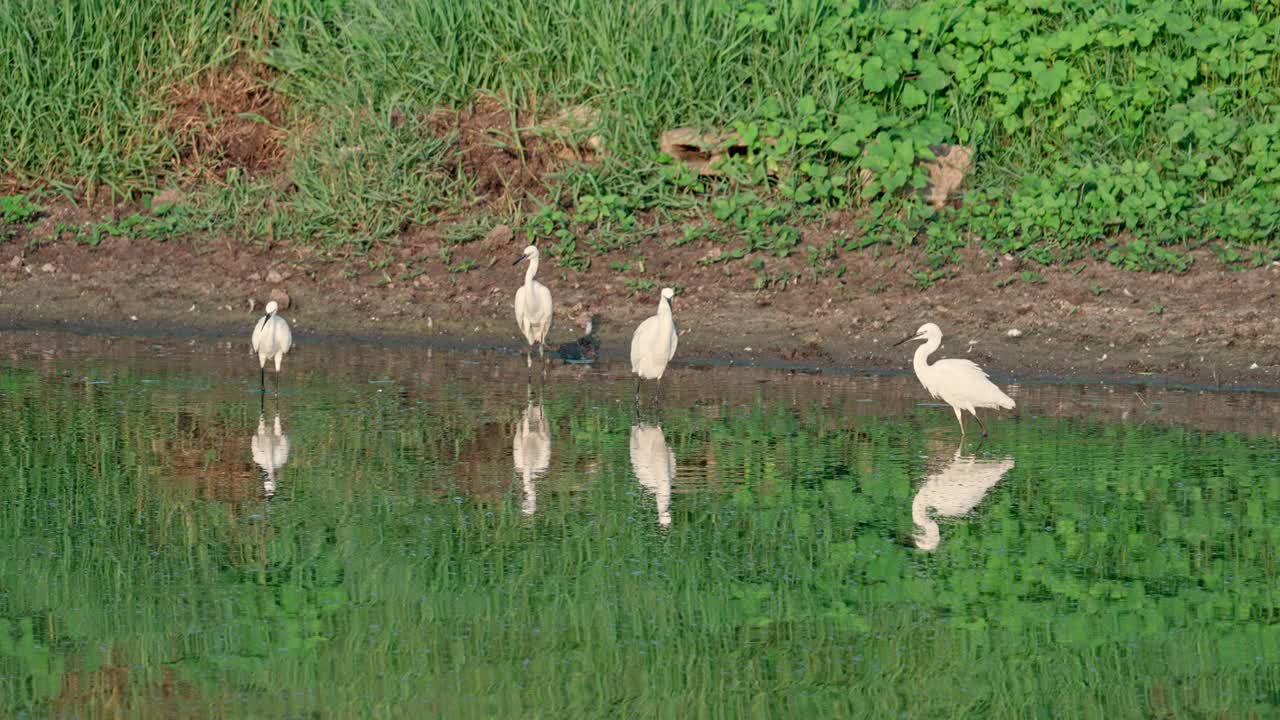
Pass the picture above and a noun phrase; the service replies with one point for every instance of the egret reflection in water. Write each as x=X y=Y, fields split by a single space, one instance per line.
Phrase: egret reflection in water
x=955 y=489
x=401 y=574
x=654 y=464
x=270 y=452
x=531 y=450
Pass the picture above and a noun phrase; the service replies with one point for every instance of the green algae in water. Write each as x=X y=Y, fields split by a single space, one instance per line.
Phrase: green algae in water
x=449 y=544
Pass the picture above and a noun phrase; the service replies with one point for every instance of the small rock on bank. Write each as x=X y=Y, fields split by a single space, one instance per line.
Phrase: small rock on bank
x=500 y=234
x=281 y=297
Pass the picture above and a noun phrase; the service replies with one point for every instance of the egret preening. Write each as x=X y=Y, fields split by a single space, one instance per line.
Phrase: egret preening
x=654 y=343
x=531 y=451
x=960 y=383
x=655 y=466
x=954 y=490
x=270 y=452
x=533 y=305
x=271 y=339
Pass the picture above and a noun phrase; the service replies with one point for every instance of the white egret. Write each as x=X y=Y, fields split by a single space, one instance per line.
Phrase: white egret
x=952 y=491
x=960 y=383
x=271 y=339
x=270 y=452
x=533 y=305
x=531 y=451
x=654 y=465
x=654 y=342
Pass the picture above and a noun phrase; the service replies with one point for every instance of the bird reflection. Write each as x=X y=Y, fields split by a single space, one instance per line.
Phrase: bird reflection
x=270 y=452
x=654 y=464
x=531 y=449
x=955 y=489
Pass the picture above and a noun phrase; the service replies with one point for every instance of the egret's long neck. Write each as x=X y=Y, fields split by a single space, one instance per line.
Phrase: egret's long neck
x=533 y=270
x=664 y=310
x=921 y=359
x=919 y=510
x=929 y=535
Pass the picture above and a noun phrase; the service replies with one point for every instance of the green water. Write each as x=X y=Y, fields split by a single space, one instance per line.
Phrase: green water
x=747 y=551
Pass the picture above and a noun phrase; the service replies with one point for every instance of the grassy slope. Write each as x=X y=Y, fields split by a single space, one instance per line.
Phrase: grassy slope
x=1127 y=137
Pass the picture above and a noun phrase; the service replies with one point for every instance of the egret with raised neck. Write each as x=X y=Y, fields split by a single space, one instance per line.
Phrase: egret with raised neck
x=533 y=306
x=654 y=343
x=959 y=383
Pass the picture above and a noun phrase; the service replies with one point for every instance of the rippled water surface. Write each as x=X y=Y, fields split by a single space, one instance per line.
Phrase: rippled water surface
x=401 y=532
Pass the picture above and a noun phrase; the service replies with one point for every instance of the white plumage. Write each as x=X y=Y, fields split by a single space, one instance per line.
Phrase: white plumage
x=952 y=491
x=531 y=450
x=271 y=339
x=654 y=342
x=654 y=465
x=270 y=452
x=533 y=305
x=959 y=383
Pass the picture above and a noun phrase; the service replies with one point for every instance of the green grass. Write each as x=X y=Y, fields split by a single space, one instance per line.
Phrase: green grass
x=1117 y=571
x=85 y=82
x=1126 y=137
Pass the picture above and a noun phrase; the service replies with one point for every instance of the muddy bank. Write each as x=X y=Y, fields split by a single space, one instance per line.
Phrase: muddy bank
x=1209 y=327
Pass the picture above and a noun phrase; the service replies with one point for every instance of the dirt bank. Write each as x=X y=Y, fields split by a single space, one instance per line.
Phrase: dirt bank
x=1210 y=326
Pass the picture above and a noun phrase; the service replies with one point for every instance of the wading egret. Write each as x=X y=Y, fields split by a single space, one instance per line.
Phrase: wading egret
x=271 y=340
x=654 y=343
x=531 y=450
x=952 y=491
x=270 y=452
x=655 y=465
x=584 y=349
x=960 y=383
x=533 y=305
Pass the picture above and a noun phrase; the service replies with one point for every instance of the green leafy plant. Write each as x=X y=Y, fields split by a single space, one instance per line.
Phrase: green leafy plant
x=18 y=209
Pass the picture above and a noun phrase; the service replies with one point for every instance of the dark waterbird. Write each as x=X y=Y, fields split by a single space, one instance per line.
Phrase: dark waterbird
x=585 y=349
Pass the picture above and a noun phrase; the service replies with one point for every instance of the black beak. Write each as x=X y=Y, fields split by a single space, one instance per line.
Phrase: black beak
x=522 y=257
x=906 y=339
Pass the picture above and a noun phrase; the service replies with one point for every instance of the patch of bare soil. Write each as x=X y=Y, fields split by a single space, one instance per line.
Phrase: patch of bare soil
x=1211 y=325
x=500 y=150
x=229 y=118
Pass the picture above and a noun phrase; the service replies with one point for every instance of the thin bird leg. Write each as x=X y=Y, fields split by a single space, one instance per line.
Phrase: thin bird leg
x=637 y=391
x=984 y=427
x=960 y=419
x=657 y=393
x=528 y=360
x=262 y=378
